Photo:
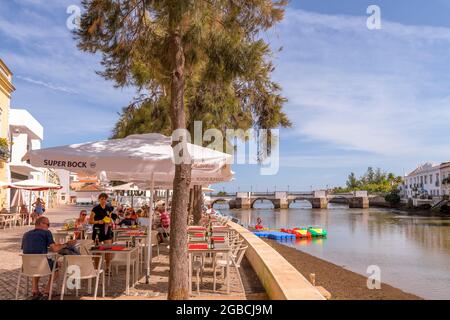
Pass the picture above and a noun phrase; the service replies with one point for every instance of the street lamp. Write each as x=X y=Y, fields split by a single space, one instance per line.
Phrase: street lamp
x=288 y=188
x=275 y=188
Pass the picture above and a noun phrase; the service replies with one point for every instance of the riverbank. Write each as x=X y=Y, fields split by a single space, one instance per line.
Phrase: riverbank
x=343 y=284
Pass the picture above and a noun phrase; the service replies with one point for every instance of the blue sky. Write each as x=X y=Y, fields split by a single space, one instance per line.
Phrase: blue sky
x=357 y=97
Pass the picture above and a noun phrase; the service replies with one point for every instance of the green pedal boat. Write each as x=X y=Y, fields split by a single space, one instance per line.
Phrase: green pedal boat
x=317 y=232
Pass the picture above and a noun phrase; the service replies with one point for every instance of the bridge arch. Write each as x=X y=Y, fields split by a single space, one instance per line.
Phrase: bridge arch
x=293 y=200
x=339 y=200
x=262 y=198
x=220 y=200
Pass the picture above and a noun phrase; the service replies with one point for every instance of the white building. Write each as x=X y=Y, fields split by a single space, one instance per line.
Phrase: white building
x=428 y=180
x=26 y=133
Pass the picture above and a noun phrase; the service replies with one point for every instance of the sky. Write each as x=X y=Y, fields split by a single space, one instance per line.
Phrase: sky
x=356 y=97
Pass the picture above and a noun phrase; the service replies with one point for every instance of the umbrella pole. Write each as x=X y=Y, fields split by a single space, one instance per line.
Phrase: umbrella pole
x=29 y=211
x=149 y=233
x=166 y=203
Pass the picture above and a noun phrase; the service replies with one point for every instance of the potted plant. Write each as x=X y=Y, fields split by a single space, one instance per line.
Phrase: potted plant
x=4 y=149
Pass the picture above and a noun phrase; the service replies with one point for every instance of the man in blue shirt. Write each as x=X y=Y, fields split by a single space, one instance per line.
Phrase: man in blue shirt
x=38 y=241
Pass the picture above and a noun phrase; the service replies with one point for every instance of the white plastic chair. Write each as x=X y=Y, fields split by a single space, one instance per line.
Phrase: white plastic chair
x=18 y=220
x=197 y=267
x=36 y=265
x=87 y=270
x=234 y=260
x=120 y=259
x=60 y=238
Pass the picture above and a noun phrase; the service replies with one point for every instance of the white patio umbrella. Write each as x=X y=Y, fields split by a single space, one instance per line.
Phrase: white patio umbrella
x=18 y=199
x=145 y=157
x=126 y=187
x=4 y=185
x=34 y=185
x=140 y=154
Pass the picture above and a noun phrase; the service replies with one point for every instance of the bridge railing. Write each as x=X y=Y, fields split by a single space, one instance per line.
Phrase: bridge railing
x=259 y=194
x=221 y=195
x=300 y=193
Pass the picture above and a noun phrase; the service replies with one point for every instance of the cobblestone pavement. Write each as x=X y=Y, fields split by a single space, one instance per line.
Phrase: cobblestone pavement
x=10 y=240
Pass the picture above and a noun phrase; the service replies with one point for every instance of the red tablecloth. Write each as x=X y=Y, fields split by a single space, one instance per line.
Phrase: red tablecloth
x=132 y=234
x=218 y=239
x=198 y=246
x=199 y=235
x=196 y=229
x=113 y=248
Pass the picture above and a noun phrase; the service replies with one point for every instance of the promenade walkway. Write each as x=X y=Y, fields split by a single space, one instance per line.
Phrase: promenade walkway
x=10 y=242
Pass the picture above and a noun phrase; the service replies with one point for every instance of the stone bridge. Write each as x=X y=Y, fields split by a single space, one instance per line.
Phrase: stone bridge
x=282 y=200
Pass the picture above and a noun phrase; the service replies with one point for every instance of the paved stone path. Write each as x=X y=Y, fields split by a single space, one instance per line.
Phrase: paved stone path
x=10 y=242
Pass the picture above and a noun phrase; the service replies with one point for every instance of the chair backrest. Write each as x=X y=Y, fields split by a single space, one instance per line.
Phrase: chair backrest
x=85 y=263
x=60 y=237
x=84 y=246
x=155 y=240
x=240 y=255
x=35 y=265
x=225 y=221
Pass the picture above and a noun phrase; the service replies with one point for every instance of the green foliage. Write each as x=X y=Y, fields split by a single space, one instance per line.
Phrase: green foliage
x=374 y=181
x=227 y=63
x=221 y=194
x=4 y=149
x=393 y=197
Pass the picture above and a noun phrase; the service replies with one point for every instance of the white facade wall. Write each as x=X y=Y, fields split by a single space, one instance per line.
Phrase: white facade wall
x=64 y=180
x=19 y=146
x=424 y=180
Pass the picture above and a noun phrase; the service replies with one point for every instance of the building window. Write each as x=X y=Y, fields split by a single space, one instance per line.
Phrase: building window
x=421 y=179
x=425 y=179
x=431 y=179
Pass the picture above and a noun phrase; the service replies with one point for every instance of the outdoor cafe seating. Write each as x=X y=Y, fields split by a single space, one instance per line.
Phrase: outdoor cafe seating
x=218 y=242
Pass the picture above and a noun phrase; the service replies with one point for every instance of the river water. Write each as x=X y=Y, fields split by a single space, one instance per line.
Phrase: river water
x=412 y=252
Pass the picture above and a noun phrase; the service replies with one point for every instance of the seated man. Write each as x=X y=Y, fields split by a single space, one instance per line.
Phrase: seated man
x=38 y=241
x=127 y=221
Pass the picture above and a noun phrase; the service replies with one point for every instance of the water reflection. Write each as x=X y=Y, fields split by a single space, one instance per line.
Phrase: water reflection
x=413 y=252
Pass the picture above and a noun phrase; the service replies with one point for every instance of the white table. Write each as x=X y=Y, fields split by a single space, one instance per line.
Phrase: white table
x=128 y=252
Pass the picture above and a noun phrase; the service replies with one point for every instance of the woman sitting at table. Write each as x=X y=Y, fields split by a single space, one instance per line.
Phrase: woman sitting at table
x=81 y=222
x=133 y=214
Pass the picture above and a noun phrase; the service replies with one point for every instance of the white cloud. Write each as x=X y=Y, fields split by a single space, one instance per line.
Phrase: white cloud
x=382 y=91
x=48 y=85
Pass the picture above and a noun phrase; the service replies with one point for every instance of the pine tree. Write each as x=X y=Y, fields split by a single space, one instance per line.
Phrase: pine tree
x=169 y=38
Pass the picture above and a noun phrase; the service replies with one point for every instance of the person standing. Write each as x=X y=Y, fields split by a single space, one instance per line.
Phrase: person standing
x=39 y=209
x=101 y=220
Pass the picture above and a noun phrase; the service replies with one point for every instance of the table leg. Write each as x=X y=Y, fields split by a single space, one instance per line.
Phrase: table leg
x=190 y=273
x=127 y=277
x=136 y=267
x=228 y=273
x=213 y=257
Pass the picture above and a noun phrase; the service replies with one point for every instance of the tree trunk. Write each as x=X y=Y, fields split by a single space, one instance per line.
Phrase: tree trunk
x=191 y=204
x=198 y=204
x=178 y=276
